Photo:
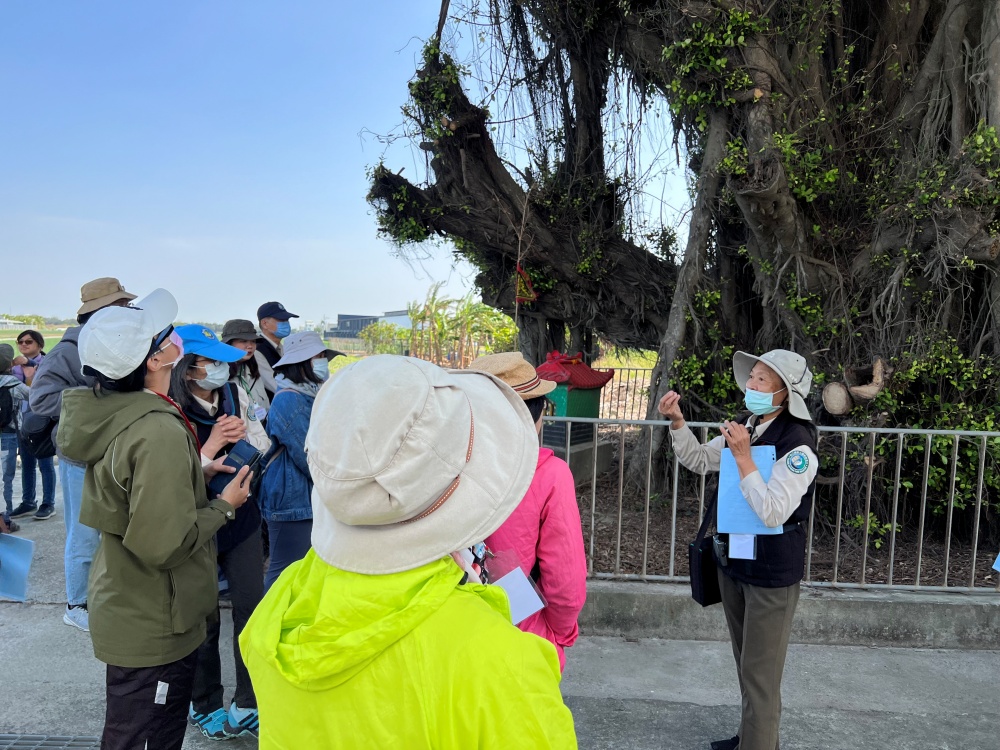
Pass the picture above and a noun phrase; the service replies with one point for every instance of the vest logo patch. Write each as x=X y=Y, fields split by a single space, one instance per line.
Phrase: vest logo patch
x=797 y=462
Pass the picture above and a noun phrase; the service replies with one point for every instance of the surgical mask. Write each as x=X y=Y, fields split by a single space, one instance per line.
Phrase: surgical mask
x=283 y=329
x=216 y=376
x=321 y=368
x=759 y=403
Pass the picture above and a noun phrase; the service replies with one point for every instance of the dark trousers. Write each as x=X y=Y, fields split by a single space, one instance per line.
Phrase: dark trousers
x=243 y=567
x=760 y=623
x=147 y=707
x=290 y=541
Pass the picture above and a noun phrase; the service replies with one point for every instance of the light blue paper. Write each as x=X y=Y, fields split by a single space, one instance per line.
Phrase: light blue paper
x=996 y=565
x=735 y=514
x=15 y=562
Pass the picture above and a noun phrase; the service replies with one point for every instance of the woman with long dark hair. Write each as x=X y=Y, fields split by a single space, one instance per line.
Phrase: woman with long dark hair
x=219 y=412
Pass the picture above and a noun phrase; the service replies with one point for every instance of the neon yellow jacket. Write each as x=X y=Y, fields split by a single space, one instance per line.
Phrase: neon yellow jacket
x=409 y=660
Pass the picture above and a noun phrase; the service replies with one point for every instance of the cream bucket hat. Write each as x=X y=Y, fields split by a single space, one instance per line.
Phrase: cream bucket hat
x=789 y=366
x=411 y=462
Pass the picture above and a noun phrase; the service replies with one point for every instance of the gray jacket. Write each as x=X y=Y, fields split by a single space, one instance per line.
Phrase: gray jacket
x=61 y=369
x=18 y=394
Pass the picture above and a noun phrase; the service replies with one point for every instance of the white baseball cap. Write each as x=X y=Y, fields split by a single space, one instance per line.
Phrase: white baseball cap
x=116 y=340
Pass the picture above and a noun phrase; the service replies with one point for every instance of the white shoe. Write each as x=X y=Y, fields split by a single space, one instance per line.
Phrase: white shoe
x=78 y=617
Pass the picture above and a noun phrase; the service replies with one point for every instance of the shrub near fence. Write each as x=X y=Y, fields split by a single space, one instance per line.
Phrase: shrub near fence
x=878 y=520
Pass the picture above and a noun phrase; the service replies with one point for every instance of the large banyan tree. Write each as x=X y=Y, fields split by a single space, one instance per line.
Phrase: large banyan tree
x=843 y=162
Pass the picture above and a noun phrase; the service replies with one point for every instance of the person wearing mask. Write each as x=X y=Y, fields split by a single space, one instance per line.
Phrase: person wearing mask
x=760 y=583
x=59 y=371
x=245 y=374
x=31 y=344
x=218 y=410
x=153 y=580
x=13 y=393
x=378 y=638
x=286 y=486
x=544 y=531
x=272 y=317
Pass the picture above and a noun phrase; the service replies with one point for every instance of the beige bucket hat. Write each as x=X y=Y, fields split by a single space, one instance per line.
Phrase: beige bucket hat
x=100 y=293
x=513 y=369
x=789 y=366
x=411 y=462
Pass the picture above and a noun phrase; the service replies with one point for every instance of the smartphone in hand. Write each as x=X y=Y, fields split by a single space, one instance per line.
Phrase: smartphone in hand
x=242 y=454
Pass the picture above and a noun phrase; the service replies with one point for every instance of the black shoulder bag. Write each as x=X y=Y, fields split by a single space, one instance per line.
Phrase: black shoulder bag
x=701 y=561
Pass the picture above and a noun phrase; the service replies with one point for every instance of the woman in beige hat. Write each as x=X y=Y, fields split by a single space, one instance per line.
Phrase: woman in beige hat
x=544 y=531
x=759 y=574
x=377 y=638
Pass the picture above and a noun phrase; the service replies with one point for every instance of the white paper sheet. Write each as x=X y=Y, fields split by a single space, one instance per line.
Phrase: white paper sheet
x=524 y=600
x=742 y=547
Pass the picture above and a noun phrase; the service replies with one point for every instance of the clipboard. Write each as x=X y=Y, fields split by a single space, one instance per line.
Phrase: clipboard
x=735 y=514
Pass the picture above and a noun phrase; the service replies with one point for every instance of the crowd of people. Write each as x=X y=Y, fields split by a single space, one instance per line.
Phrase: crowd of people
x=380 y=501
x=142 y=416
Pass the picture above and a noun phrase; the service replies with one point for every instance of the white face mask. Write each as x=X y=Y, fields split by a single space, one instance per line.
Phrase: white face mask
x=321 y=368
x=216 y=376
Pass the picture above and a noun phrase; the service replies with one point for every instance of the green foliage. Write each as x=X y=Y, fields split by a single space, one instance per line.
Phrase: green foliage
x=810 y=171
x=876 y=529
x=382 y=337
x=941 y=388
x=703 y=74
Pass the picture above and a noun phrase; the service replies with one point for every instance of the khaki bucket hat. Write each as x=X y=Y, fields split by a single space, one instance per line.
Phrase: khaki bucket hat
x=100 y=293
x=411 y=462
x=789 y=366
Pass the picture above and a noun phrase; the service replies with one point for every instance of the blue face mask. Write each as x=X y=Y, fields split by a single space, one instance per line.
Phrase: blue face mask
x=759 y=403
x=321 y=368
x=283 y=329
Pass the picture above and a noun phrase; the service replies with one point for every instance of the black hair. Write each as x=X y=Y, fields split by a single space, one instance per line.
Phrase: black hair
x=35 y=336
x=536 y=406
x=180 y=386
x=82 y=319
x=251 y=364
x=299 y=372
x=132 y=383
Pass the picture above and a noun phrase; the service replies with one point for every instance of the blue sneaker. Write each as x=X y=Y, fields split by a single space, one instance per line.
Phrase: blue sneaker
x=241 y=721
x=211 y=725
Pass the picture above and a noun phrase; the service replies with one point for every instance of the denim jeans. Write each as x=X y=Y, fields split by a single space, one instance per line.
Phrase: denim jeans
x=8 y=450
x=28 y=464
x=81 y=541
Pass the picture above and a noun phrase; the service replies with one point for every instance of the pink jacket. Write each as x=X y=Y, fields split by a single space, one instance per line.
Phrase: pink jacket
x=545 y=528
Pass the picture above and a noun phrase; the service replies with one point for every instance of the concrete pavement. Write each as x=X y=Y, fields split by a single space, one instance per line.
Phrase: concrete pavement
x=643 y=693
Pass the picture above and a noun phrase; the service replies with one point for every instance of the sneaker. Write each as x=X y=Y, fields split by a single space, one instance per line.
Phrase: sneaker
x=78 y=617
x=211 y=725
x=45 y=513
x=24 y=509
x=241 y=721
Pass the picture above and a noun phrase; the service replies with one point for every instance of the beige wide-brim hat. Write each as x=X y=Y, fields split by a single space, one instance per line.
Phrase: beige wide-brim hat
x=411 y=462
x=789 y=366
x=100 y=293
x=513 y=369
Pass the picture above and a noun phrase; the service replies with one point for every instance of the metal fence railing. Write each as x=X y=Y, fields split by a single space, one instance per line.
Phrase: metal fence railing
x=627 y=395
x=894 y=508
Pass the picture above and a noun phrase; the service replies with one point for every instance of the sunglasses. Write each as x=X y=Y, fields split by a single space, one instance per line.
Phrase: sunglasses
x=25 y=342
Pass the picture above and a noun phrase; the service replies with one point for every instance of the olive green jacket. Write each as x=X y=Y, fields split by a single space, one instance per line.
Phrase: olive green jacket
x=153 y=580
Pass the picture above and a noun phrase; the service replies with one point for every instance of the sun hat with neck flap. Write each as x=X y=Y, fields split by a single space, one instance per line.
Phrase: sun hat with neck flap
x=411 y=462
x=789 y=366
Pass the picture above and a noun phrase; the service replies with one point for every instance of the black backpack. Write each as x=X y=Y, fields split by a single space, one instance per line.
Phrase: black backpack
x=6 y=406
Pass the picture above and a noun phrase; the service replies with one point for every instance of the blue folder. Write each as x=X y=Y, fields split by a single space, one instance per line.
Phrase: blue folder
x=735 y=514
x=15 y=562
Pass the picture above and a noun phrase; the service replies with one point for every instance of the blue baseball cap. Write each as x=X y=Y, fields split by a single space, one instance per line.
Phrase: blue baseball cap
x=203 y=342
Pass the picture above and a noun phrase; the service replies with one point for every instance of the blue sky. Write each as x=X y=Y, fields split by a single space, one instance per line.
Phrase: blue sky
x=211 y=148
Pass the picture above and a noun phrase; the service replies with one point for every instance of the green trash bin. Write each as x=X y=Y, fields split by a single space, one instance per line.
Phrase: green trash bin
x=572 y=402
